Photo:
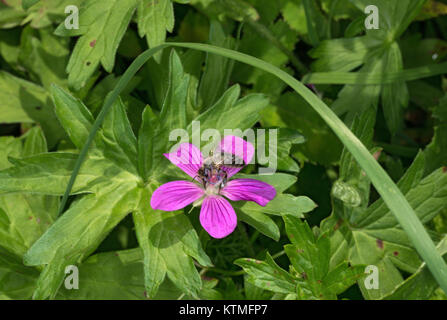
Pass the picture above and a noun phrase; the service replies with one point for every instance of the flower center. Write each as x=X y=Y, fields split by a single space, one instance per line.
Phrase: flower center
x=211 y=190
x=213 y=178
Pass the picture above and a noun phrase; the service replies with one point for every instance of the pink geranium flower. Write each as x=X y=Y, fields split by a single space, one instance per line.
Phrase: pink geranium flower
x=217 y=216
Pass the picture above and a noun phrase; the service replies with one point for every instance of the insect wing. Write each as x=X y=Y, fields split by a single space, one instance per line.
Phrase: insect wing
x=231 y=160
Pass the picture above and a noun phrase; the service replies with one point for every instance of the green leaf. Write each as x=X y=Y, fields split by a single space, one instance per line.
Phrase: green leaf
x=355 y=28
x=169 y=243
x=420 y=285
x=119 y=276
x=10 y=46
x=44 y=55
x=342 y=277
x=110 y=275
x=12 y=14
x=96 y=96
x=35 y=142
x=436 y=151
x=73 y=115
x=310 y=257
x=173 y=113
x=339 y=9
x=279 y=153
x=311 y=11
x=26 y=4
x=89 y=220
x=192 y=62
x=120 y=144
x=48 y=173
x=146 y=142
x=368 y=250
x=194 y=28
x=310 y=277
x=23 y=217
x=357 y=98
x=259 y=220
x=253 y=292
x=155 y=18
x=383 y=54
x=268 y=275
x=255 y=44
x=9 y=147
x=23 y=101
x=117 y=141
x=44 y=13
x=283 y=204
x=172 y=116
x=218 y=69
x=394 y=96
x=16 y=281
x=321 y=144
x=155 y=268
x=295 y=16
x=28 y=217
x=230 y=113
x=341 y=55
x=101 y=26
x=238 y=9
x=427 y=198
x=394 y=17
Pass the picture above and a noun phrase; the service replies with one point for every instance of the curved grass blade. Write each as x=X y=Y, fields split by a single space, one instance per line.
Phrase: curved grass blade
x=390 y=193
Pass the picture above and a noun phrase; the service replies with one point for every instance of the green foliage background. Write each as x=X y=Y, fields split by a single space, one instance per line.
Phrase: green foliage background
x=387 y=85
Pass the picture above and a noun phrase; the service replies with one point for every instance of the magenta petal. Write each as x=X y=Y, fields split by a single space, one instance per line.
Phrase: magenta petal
x=187 y=157
x=249 y=190
x=175 y=195
x=238 y=147
x=217 y=216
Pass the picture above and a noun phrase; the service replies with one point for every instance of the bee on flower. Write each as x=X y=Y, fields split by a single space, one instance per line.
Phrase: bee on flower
x=212 y=184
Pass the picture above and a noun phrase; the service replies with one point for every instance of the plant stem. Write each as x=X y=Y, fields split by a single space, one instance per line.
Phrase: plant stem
x=278 y=254
x=226 y=272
